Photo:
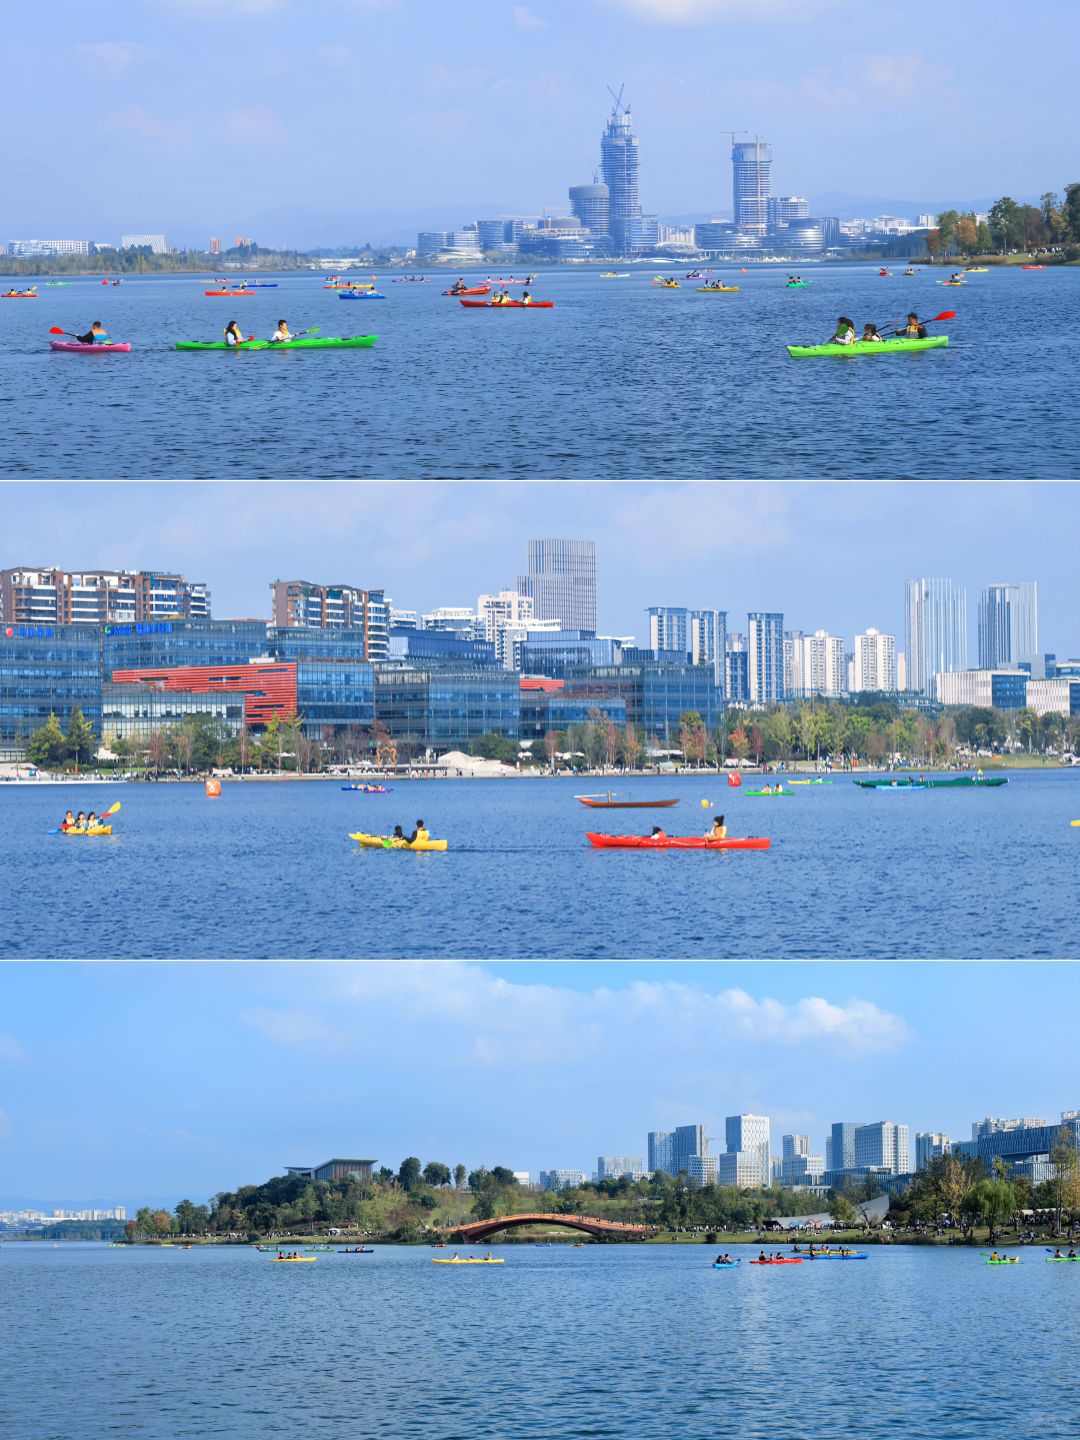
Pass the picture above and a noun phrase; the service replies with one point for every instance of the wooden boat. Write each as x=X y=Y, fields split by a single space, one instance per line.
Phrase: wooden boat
x=605 y=802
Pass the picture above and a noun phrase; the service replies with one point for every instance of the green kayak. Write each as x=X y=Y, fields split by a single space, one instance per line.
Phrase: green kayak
x=312 y=342
x=772 y=794
x=870 y=347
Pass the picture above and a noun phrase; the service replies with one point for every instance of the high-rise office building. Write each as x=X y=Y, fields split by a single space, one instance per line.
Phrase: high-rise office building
x=98 y=597
x=562 y=582
x=701 y=1170
x=1008 y=624
x=751 y=164
x=154 y=243
x=929 y=1144
x=797 y=1165
x=874 y=662
x=841 y=1145
x=765 y=646
x=687 y=1141
x=660 y=1151
x=935 y=630
x=737 y=687
x=303 y=604
x=882 y=1145
x=619 y=167
x=748 y=1136
x=700 y=634
x=591 y=204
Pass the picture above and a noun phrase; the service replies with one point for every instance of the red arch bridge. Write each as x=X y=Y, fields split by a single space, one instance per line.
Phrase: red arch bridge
x=604 y=1229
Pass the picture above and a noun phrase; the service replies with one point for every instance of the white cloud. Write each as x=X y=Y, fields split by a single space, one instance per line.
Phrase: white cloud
x=11 y=1052
x=464 y=1015
x=111 y=55
x=527 y=19
x=889 y=80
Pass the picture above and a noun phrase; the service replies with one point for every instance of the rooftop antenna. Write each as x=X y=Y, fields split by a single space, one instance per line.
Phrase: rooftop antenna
x=618 y=99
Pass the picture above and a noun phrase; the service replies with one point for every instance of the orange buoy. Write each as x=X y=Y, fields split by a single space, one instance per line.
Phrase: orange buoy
x=213 y=789
x=734 y=779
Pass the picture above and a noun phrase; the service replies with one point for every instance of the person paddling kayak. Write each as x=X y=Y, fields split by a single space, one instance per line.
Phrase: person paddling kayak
x=68 y=822
x=718 y=831
x=96 y=335
x=420 y=833
x=914 y=329
x=869 y=334
x=844 y=334
x=282 y=335
x=233 y=336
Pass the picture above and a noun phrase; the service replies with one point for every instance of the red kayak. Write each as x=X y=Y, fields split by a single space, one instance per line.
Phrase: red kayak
x=673 y=842
x=795 y=1260
x=234 y=294
x=510 y=305
x=470 y=290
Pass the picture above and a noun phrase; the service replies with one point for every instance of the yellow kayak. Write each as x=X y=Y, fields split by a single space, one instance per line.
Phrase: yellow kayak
x=467 y=1262
x=717 y=289
x=295 y=1259
x=97 y=830
x=387 y=842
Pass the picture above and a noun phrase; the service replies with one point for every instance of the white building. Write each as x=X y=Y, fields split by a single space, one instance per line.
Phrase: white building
x=1054 y=697
x=882 y=1145
x=1001 y=689
x=742 y=1170
x=702 y=1169
x=154 y=243
x=506 y=619
x=793 y=662
x=824 y=670
x=874 y=663
x=749 y=1136
x=49 y=247
x=562 y=1179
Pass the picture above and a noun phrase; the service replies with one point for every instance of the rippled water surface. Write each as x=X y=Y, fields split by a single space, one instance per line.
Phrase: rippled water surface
x=622 y=379
x=610 y=1340
x=269 y=870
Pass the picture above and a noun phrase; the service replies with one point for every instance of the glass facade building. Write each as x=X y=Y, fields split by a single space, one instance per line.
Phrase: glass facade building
x=542 y=711
x=935 y=630
x=751 y=167
x=561 y=581
x=47 y=670
x=556 y=654
x=1008 y=624
x=445 y=709
x=440 y=647
x=591 y=204
x=656 y=695
x=136 y=711
x=619 y=167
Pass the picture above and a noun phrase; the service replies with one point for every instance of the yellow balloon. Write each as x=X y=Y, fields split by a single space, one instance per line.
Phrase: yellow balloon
x=705 y=804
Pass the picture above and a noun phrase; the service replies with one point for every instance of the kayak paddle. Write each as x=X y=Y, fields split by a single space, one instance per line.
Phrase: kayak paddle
x=55 y=330
x=105 y=814
x=945 y=315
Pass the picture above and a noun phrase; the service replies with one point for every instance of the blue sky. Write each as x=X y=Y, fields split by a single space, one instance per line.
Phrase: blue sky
x=828 y=555
x=152 y=1082
x=338 y=121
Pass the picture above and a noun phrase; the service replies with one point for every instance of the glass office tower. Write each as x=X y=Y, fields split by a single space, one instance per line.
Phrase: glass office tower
x=751 y=166
x=1008 y=624
x=562 y=582
x=935 y=630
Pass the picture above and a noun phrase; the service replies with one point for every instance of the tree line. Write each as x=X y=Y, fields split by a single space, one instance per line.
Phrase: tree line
x=1010 y=226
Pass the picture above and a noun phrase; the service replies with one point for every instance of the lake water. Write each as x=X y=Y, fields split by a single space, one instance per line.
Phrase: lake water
x=268 y=870
x=608 y=1341
x=621 y=380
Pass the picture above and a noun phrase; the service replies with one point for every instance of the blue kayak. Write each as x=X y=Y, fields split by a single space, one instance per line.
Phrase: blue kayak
x=360 y=295
x=728 y=1266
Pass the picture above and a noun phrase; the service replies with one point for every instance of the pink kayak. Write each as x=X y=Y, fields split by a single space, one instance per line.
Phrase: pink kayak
x=673 y=842
x=72 y=347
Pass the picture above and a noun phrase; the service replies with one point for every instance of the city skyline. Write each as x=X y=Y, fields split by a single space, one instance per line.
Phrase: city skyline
x=733 y=548
x=816 y=70
x=806 y=1045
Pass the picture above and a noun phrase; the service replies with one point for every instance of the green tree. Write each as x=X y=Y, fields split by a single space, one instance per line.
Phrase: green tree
x=495 y=746
x=484 y=1206
x=80 y=737
x=1065 y=1180
x=946 y=223
x=409 y=1173
x=842 y=1211
x=47 y=746
x=993 y=1202
x=1070 y=214
x=502 y=1176
x=1004 y=222
x=436 y=1173
x=460 y=1173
